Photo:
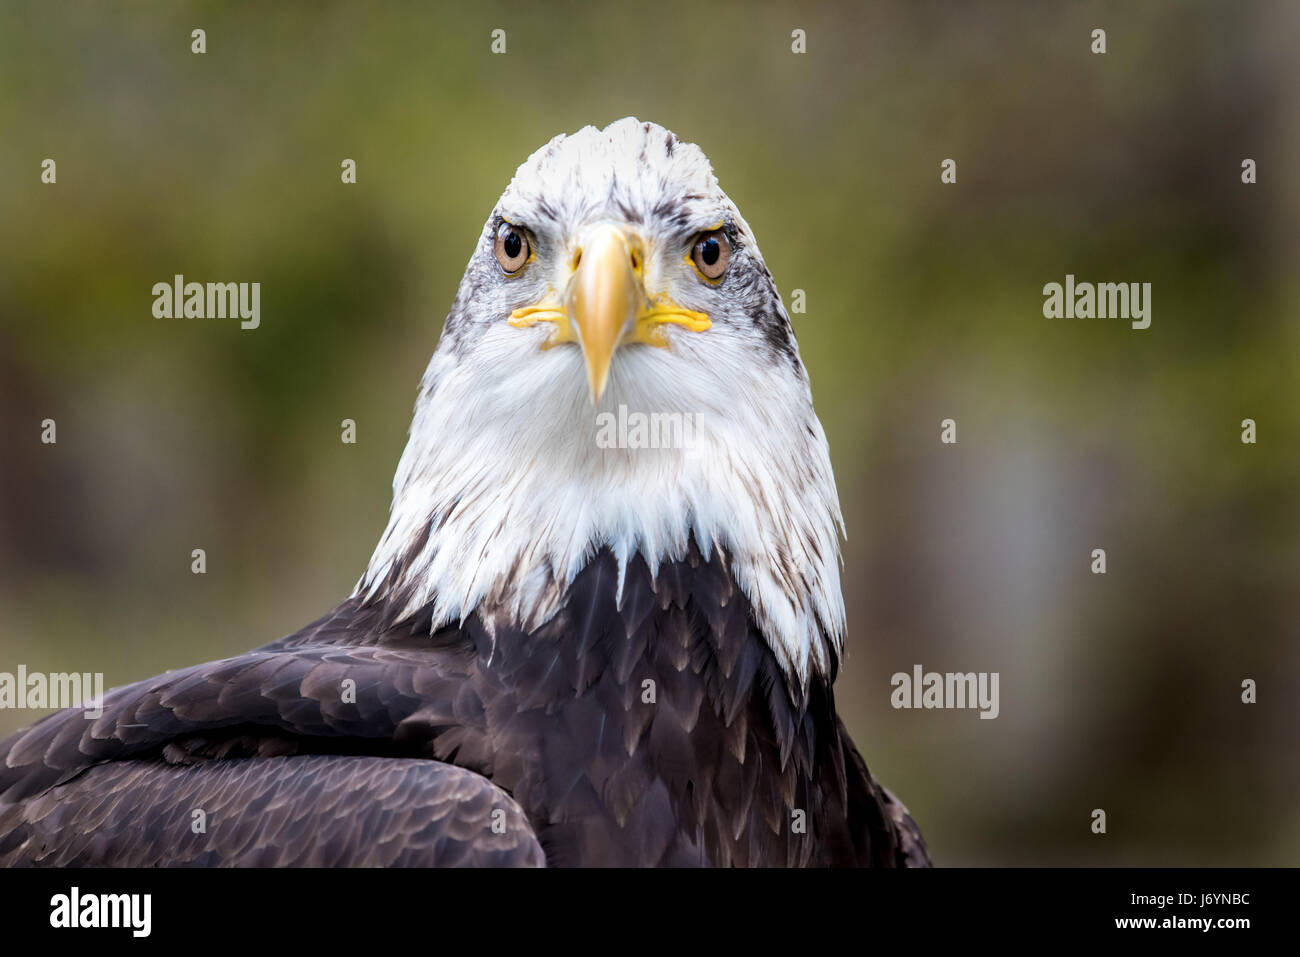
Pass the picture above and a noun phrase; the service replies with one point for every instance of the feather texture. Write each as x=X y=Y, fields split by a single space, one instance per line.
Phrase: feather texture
x=668 y=736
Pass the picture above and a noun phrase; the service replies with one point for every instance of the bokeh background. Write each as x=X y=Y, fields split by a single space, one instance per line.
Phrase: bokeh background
x=1119 y=691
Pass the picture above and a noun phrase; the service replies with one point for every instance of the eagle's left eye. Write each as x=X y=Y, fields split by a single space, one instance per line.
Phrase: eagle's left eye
x=711 y=254
x=511 y=248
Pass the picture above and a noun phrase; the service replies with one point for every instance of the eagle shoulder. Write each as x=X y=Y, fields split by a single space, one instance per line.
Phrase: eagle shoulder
x=310 y=810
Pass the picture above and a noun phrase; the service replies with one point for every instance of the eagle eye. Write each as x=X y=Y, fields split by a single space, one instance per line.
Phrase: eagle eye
x=711 y=254
x=511 y=248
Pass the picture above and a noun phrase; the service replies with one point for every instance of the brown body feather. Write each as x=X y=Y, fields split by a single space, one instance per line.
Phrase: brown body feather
x=658 y=730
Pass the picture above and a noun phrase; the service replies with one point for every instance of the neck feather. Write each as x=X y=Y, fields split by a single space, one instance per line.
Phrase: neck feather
x=504 y=494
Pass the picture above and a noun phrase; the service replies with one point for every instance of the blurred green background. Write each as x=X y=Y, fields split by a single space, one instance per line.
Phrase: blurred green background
x=924 y=302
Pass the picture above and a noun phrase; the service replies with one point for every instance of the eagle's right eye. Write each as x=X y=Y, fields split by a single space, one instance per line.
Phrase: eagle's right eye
x=511 y=248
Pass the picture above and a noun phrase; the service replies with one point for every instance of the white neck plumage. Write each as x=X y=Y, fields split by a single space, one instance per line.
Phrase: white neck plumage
x=506 y=490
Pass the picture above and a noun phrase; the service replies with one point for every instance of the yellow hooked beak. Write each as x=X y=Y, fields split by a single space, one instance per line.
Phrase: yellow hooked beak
x=605 y=295
x=606 y=305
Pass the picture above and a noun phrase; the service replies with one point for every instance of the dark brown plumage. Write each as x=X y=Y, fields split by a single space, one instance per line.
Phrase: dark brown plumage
x=551 y=730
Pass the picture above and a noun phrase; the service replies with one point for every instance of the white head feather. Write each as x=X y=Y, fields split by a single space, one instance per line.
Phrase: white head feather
x=504 y=493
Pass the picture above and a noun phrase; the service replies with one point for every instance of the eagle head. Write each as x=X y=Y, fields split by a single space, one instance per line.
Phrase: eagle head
x=614 y=283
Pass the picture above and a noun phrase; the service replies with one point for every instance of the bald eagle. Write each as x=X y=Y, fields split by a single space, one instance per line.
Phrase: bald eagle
x=570 y=646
